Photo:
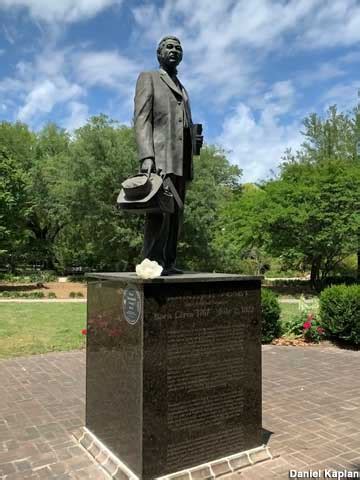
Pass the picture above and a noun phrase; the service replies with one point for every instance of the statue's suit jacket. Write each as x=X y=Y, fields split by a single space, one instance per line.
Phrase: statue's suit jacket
x=162 y=109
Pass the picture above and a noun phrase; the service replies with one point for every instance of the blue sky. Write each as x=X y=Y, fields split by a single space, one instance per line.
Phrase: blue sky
x=253 y=69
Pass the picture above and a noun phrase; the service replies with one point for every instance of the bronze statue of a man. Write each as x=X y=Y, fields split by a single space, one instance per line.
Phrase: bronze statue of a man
x=164 y=138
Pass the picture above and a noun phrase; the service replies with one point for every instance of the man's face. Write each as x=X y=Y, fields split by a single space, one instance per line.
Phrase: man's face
x=171 y=53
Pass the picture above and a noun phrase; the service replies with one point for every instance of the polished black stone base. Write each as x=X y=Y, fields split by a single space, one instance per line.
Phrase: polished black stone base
x=213 y=469
x=174 y=368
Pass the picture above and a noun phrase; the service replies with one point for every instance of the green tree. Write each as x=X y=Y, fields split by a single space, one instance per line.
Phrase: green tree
x=215 y=181
x=97 y=235
x=313 y=214
x=38 y=160
x=13 y=209
x=329 y=138
x=48 y=212
x=16 y=153
x=240 y=238
x=19 y=143
x=309 y=214
x=337 y=136
x=356 y=129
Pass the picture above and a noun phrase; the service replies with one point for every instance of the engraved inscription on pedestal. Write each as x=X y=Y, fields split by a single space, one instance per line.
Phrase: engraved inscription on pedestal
x=206 y=369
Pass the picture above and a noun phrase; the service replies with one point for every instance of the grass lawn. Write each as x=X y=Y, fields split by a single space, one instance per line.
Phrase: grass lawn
x=291 y=309
x=288 y=310
x=33 y=328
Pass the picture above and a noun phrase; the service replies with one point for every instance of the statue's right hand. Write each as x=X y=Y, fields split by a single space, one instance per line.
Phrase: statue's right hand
x=147 y=164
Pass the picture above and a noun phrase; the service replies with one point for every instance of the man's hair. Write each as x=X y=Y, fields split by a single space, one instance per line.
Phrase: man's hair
x=162 y=41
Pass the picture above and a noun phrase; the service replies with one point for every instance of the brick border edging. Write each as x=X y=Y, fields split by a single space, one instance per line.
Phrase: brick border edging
x=209 y=470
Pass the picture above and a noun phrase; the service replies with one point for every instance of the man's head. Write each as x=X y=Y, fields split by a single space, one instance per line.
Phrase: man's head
x=169 y=52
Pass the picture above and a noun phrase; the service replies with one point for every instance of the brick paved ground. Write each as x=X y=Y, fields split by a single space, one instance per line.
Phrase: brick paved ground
x=311 y=406
x=311 y=403
x=41 y=403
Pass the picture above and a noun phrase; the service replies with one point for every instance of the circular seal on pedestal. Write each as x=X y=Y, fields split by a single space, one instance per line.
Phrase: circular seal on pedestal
x=132 y=304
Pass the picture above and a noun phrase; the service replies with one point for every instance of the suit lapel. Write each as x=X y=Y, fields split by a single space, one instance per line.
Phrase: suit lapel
x=167 y=79
x=186 y=103
x=184 y=92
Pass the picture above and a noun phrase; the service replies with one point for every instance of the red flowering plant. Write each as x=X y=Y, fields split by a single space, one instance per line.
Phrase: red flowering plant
x=306 y=326
x=313 y=332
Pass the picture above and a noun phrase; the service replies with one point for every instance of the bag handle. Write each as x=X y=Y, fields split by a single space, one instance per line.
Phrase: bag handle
x=168 y=183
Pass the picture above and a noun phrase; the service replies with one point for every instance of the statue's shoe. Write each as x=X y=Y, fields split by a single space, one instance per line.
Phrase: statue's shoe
x=173 y=271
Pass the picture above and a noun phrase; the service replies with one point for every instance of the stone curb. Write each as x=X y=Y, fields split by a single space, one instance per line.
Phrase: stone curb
x=42 y=300
x=208 y=471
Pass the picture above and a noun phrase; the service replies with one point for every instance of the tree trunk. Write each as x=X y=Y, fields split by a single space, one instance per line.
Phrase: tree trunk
x=315 y=271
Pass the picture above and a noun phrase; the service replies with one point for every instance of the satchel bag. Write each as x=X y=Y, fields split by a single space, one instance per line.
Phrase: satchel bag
x=148 y=193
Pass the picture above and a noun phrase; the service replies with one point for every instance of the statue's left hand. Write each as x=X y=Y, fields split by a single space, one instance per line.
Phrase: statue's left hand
x=147 y=164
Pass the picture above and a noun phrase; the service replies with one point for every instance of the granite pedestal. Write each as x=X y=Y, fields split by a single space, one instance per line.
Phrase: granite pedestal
x=173 y=376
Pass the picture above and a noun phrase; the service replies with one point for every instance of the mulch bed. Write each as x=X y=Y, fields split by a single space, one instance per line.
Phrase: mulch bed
x=61 y=290
x=300 y=342
x=294 y=342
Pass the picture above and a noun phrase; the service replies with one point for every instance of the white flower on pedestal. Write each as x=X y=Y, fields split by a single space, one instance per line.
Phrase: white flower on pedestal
x=148 y=269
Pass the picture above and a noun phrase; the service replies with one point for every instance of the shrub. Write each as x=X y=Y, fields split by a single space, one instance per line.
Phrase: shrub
x=16 y=294
x=10 y=294
x=293 y=325
x=30 y=277
x=44 y=276
x=304 y=325
x=340 y=312
x=270 y=312
x=286 y=282
x=76 y=295
x=78 y=278
x=35 y=295
x=340 y=280
x=51 y=295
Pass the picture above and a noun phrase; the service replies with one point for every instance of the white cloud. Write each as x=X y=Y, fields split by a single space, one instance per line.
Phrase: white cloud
x=227 y=43
x=38 y=86
x=107 y=68
x=224 y=24
x=344 y=95
x=79 y=114
x=10 y=86
x=333 y=23
x=63 y=77
x=228 y=49
x=60 y=10
x=231 y=49
x=51 y=62
x=257 y=138
x=323 y=72
x=45 y=95
x=9 y=33
x=350 y=57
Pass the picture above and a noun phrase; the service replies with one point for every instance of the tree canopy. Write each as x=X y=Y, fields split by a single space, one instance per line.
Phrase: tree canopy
x=309 y=215
x=58 y=202
x=58 y=206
